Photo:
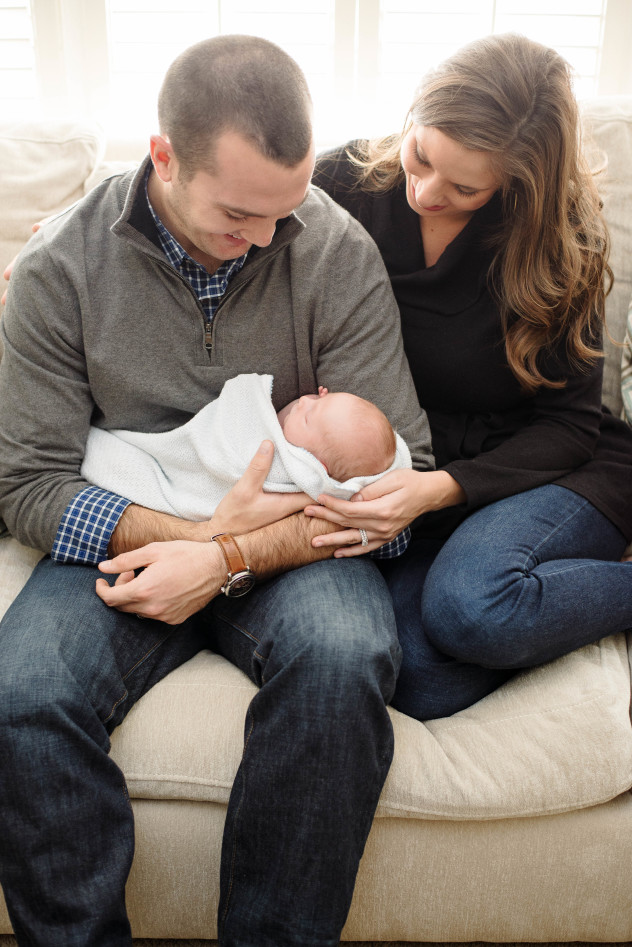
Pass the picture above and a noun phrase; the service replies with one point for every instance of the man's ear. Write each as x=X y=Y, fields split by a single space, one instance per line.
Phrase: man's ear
x=162 y=157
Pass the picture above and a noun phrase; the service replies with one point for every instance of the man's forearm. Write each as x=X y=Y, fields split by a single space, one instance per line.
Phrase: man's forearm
x=177 y=579
x=269 y=551
x=285 y=545
x=139 y=526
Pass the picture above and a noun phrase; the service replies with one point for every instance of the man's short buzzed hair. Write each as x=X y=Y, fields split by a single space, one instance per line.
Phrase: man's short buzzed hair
x=235 y=83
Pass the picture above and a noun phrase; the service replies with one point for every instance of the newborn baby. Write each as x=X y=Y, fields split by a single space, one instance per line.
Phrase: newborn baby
x=351 y=437
x=325 y=443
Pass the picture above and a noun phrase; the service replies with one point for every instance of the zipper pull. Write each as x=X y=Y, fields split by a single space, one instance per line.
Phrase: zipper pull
x=208 y=336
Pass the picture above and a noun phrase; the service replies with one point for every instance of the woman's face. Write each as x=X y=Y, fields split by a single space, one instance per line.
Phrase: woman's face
x=444 y=179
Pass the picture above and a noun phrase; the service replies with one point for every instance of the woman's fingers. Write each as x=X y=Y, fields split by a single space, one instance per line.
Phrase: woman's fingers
x=348 y=542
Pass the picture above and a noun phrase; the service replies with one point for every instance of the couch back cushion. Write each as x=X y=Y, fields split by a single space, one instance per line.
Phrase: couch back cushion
x=607 y=123
x=45 y=166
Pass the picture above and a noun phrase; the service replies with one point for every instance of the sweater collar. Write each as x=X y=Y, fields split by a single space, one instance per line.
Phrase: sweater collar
x=459 y=276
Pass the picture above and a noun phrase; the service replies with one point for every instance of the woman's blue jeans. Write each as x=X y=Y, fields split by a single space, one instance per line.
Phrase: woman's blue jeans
x=321 y=644
x=520 y=582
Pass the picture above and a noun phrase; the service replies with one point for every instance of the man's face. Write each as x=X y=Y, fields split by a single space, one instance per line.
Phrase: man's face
x=219 y=216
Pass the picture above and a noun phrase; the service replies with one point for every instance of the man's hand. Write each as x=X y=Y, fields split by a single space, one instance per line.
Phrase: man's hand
x=9 y=269
x=178 y=579
x=246 y=507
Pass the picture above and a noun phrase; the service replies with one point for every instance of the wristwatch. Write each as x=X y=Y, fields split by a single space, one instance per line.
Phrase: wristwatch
x=240 y=578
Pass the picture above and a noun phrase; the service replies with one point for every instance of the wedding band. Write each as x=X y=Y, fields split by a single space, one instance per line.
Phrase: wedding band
x=364 y=537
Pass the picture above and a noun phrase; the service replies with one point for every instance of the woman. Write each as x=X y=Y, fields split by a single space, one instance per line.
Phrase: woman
x=490 y=228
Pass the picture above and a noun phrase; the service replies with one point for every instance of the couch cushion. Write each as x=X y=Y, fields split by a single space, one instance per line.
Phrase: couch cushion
x=607 y=123
x=554 y=739
x=44 y=168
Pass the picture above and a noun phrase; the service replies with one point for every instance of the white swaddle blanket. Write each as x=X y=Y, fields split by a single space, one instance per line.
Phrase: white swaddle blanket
x=188 y=470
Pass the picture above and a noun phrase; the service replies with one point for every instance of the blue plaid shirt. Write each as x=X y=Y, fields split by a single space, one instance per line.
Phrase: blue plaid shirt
x=92 y=515
x=208 y=289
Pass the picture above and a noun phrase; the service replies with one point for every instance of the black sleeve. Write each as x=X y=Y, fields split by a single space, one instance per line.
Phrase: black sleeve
x=562 y=435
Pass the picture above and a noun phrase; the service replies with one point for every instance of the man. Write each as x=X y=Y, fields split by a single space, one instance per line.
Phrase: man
x=131 y=310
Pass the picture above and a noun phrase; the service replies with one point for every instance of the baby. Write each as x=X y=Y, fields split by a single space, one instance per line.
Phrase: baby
x=324 y=443
x=350 y=436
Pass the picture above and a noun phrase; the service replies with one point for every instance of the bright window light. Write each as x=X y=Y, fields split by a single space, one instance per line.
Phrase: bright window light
x=105 y=59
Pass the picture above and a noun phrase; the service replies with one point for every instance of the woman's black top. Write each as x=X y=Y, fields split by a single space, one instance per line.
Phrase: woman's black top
x=493 y=439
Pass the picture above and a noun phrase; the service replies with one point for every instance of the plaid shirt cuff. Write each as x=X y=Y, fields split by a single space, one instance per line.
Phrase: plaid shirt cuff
x=395 y=548
x=87 y=525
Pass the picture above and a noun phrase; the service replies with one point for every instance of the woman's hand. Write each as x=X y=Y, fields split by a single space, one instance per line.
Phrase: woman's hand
x=178 y=579
x=246 y=507
x=384 y=508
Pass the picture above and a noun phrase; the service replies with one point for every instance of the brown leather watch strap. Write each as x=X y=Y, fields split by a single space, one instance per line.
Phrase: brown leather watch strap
x=232 y=553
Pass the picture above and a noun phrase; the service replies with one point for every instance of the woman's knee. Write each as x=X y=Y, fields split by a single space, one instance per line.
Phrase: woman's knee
x=475 y=621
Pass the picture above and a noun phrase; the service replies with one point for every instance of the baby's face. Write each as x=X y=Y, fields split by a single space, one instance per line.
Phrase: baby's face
x=305 y=421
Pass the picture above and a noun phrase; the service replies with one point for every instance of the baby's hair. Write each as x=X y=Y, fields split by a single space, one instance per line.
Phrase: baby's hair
x=365 y=446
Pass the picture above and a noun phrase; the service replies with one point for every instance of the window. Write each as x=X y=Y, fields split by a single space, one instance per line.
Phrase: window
x=363 y=58
x=414 y=35
x=145 y=36
x=18 y=86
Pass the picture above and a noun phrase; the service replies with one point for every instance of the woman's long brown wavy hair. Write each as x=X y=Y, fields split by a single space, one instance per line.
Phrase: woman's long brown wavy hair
x=512 y=98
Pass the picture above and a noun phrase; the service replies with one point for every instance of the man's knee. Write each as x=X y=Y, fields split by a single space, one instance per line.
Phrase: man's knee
x=55 y=656
x=33 y=687
x=335 y=626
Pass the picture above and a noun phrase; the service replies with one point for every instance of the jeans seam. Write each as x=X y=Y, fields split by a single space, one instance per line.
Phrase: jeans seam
x=145 y=656
x=131 y=670
x=263 y=663
x=531 y=557
x=115 y=705
x=240 y=629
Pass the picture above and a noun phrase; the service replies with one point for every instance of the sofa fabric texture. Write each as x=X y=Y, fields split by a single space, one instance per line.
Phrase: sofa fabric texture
x=506 y=822
x=553 y=740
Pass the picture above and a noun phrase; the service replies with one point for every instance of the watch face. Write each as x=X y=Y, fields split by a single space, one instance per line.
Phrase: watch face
x=239 y=584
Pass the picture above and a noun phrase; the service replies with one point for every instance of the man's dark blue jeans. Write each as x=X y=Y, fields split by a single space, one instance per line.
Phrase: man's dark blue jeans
x=320 y=643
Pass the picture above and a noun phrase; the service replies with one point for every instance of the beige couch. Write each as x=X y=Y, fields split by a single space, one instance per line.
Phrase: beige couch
x=511 y=821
